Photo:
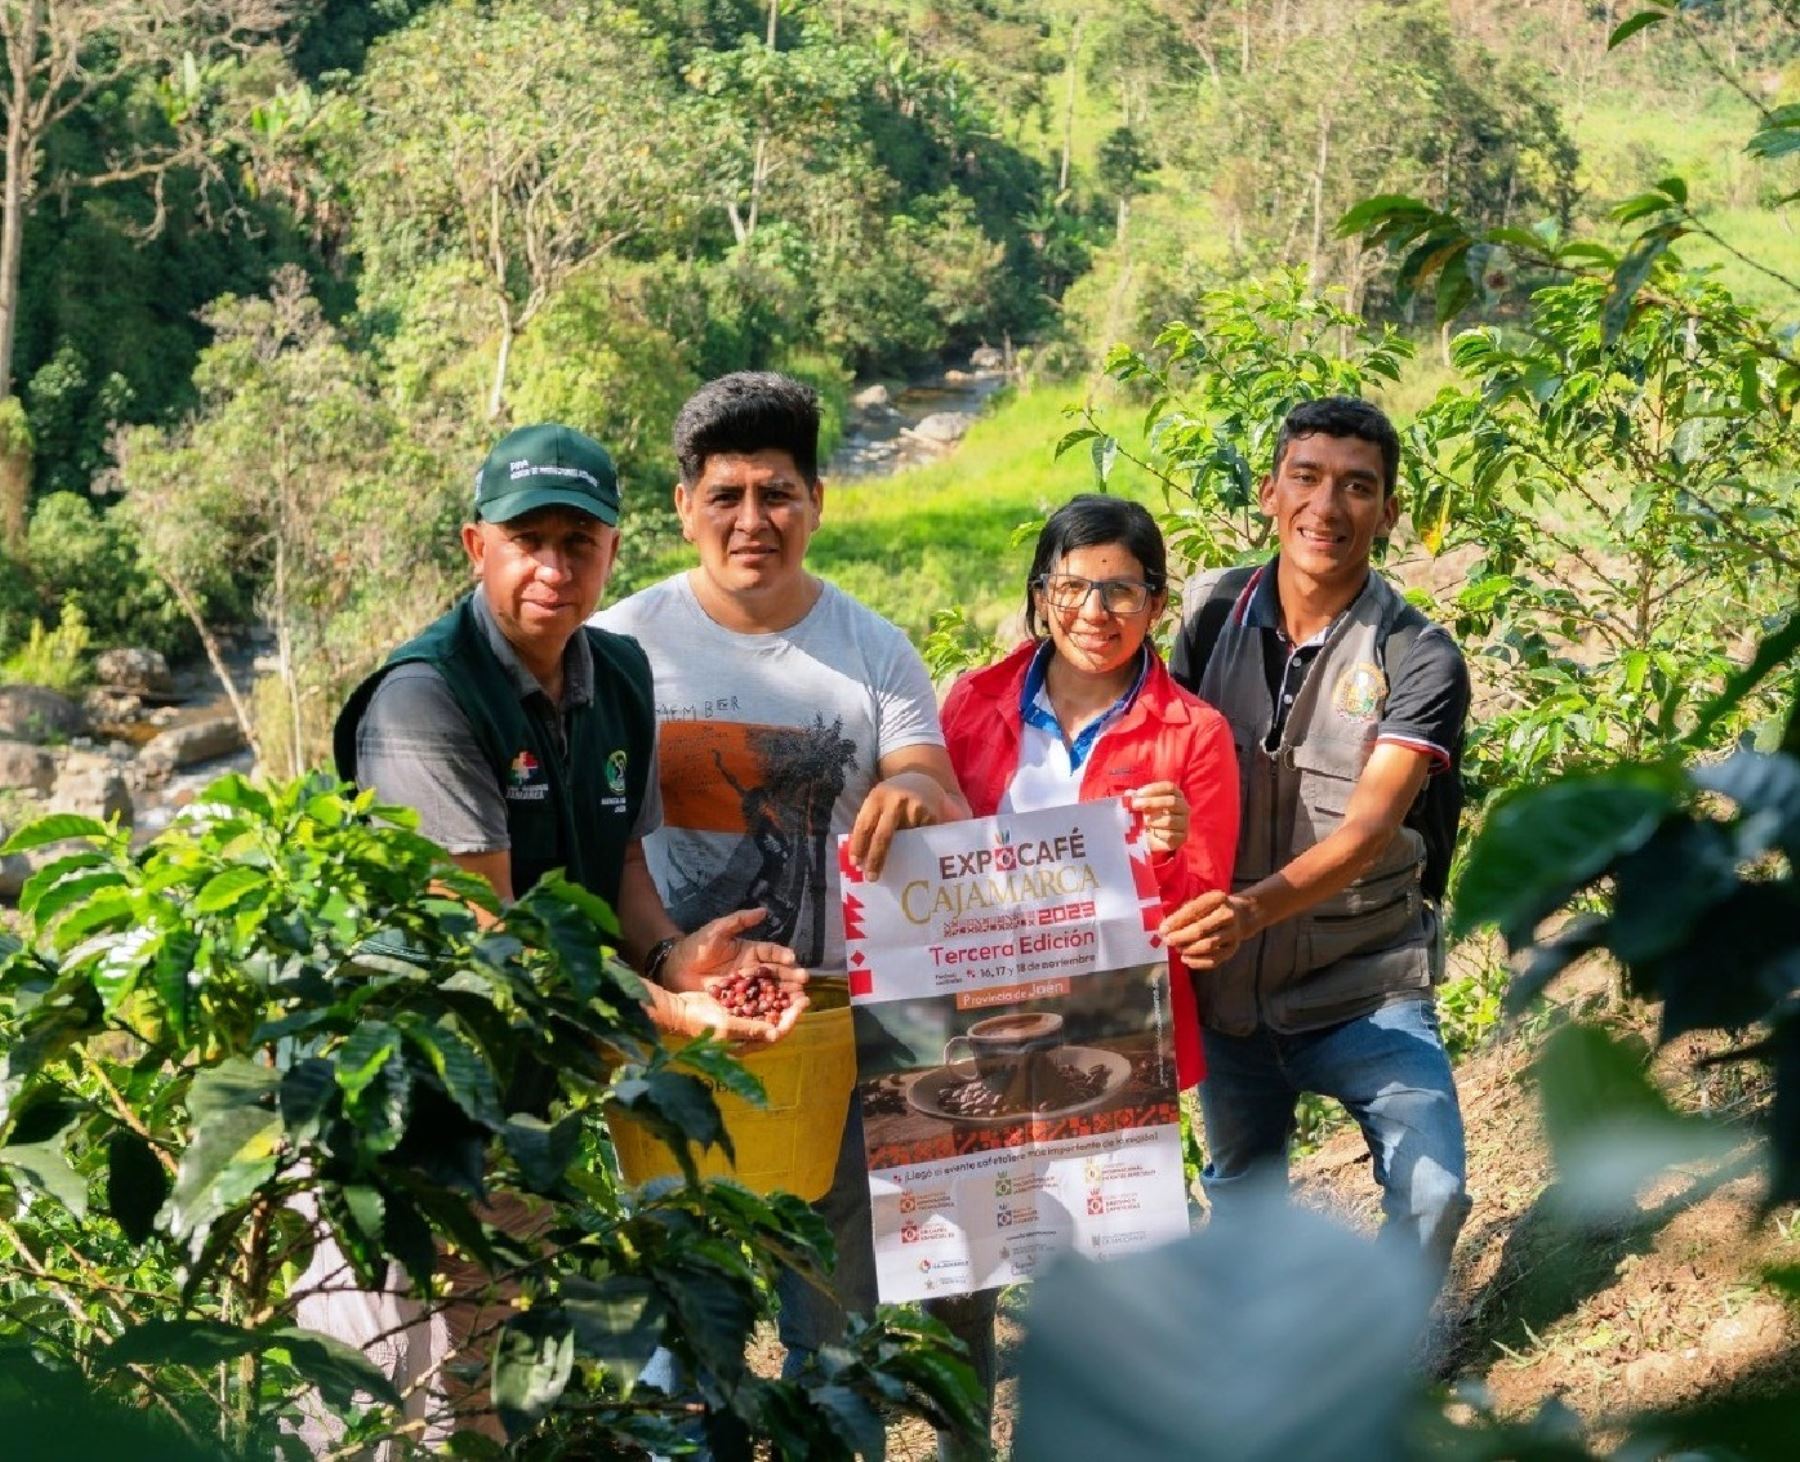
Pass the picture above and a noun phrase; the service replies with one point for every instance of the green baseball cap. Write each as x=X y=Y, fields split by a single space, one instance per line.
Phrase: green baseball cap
x=546 y=466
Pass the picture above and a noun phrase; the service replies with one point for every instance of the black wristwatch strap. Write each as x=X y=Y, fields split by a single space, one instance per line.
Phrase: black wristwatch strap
x=658 y=957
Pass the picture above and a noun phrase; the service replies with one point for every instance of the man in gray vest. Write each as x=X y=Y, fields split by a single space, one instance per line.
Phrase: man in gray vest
x=1315 y=973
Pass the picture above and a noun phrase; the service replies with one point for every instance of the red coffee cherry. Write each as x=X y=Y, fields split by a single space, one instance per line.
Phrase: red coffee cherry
x=757 y=996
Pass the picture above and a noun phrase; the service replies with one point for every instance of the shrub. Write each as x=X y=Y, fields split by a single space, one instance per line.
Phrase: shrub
x=282 y=1021
x=84 y=554
x=54 y=658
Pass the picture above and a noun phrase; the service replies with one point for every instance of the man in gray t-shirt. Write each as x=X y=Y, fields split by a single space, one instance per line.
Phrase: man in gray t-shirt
x=788 y=715
x=769 y=746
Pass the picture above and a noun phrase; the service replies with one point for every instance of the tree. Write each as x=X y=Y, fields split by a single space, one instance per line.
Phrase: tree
x=1631 y=501
x=60 y=56
x=520 y=141
x=292 y=475
x=1413 y=106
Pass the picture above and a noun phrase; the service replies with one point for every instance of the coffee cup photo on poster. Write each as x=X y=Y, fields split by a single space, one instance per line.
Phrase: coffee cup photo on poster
x=937 y=1080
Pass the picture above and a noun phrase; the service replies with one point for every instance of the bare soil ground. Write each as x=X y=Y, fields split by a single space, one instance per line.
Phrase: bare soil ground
x=1647 y=1313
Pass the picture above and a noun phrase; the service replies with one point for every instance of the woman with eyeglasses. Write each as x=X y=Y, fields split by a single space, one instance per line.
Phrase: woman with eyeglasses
x=1085 y=710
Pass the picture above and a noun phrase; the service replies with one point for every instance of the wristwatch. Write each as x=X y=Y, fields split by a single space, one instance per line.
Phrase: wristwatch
x=658 y=957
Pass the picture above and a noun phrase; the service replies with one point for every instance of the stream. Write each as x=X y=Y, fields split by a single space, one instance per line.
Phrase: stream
x=922 y=421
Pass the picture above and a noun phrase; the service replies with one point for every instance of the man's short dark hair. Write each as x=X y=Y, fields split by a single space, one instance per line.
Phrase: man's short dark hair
x=749 y=411
x=1344 y=416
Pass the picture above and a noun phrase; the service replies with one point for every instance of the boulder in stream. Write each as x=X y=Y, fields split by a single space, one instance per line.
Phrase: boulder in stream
x=15 y=868
x=944 y=428
x=134 y=671
x=27 y=768
x=193 y=742
x=36 y=714
x=92 y=786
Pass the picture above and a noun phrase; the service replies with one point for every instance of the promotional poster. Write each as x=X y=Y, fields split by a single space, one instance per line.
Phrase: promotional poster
x=1015 y=1060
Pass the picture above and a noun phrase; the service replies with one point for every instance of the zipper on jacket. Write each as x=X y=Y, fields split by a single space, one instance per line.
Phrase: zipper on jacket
x=1262 y=939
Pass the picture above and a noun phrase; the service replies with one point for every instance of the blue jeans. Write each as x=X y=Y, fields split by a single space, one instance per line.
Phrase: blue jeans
x=1389 y=1070
x=810 y=1317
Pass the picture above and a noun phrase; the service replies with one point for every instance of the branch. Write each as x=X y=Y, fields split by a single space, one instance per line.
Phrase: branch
x=1724 y=73
x=1740 y=256
x=84 y=1321
x=129 y=1117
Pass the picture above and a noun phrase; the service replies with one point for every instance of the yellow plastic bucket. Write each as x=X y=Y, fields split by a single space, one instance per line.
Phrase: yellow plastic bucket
x=792 y=1143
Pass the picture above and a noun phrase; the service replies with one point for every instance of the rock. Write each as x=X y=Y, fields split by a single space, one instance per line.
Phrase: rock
x=957 y=378
x=944 y=427
x=93 y=787
x=871 y=398
x=1758 y=1329
x=24 y=767
x=105 y=707
x=986 y=358
x=197 y=741
x=1648 y=1374
x=32 y=713
x=134 y=671
x=15 y=868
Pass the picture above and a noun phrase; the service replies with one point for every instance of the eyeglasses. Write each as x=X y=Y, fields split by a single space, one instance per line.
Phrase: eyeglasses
x=1070 y=591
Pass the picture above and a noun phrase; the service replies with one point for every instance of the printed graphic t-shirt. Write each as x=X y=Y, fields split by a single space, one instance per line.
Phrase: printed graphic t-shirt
x=768 y=744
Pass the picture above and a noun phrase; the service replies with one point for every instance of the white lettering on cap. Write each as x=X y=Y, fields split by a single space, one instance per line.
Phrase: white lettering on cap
x=528 y=469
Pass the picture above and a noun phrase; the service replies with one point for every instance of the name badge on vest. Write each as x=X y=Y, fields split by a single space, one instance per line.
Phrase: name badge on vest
x=526 y=781
x=615 y=782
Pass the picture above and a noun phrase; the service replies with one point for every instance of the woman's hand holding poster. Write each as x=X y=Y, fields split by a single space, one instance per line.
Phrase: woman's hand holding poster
x=1015 y=1061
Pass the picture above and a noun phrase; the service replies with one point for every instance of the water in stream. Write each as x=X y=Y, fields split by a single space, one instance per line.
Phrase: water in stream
x=884 y=439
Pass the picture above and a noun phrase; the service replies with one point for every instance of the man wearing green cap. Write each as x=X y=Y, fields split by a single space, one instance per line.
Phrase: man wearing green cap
x=526 y=742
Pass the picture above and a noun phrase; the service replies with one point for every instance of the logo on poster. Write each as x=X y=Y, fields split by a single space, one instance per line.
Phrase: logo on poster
x=1003 y=1185
x=909 y=1233
x=908 y=1202
x=1096 y=1204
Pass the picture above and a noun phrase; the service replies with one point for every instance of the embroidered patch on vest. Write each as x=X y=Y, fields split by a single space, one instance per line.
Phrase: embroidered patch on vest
x=615 y=773
x=526 y=782
x=1360 y=691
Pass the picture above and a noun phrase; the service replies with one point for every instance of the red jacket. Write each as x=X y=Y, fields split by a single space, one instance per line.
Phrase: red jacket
x=1165 y=735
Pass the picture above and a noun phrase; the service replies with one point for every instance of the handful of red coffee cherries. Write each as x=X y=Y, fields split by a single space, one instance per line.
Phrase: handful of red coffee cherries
x=758 y=995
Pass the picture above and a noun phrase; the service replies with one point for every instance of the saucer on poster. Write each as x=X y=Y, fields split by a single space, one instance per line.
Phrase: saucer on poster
x=927 y=1093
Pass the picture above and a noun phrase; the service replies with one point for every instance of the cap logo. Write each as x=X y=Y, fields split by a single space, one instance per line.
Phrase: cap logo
x=548 y=469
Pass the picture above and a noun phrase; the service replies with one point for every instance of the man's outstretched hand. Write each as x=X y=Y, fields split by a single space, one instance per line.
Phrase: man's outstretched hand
x=720 y=948
x=906 y=799
x=699 y=1012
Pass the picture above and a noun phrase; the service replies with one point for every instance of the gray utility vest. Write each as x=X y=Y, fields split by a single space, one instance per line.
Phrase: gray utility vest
x=1375 y=941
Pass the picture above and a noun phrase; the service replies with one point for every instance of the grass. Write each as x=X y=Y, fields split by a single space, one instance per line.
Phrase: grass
x=959 y=533
x=55 y=659
x=1626 y=146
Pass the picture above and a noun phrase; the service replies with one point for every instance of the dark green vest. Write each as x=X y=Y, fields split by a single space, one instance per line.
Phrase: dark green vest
x=573 y=810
